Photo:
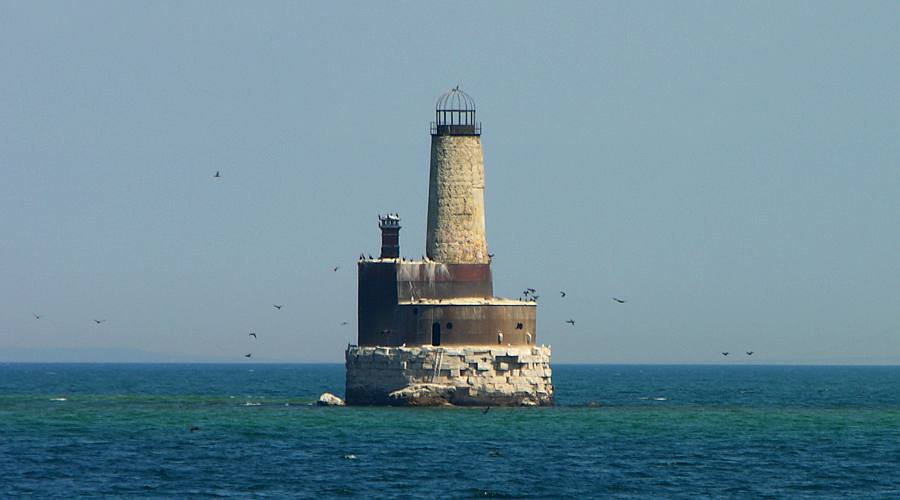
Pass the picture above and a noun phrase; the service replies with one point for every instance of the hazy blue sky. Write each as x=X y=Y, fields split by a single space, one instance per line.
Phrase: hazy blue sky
x=732 y=169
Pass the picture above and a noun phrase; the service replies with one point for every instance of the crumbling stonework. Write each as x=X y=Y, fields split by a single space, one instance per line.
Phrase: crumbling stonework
x=466 y=376
x=456 y=232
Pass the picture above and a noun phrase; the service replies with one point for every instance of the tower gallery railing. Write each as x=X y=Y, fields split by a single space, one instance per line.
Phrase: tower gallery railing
x=455 y=129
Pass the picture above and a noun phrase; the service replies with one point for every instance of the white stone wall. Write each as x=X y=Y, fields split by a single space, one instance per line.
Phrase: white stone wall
x=480 y=375
x=456 y=232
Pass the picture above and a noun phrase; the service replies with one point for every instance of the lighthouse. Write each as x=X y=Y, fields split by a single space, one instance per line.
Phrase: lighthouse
x=431 y=332
x=456 y=231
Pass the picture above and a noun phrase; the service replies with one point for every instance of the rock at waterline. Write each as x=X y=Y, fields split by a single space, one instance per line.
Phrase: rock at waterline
x=329 y=399
x=423 y=395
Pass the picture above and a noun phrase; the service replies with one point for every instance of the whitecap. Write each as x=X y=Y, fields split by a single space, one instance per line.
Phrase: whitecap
x=350 y=456
x=248 y=403
x=58 y=399
x=660 y=399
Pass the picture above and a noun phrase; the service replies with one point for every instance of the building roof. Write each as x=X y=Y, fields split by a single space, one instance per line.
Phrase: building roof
x=469 y=301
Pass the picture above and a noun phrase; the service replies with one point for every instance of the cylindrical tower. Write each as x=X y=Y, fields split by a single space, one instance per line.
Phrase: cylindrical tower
x=390 y=236
x=455 y=232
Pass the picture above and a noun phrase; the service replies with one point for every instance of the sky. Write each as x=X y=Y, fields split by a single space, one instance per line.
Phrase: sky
x=730 y=169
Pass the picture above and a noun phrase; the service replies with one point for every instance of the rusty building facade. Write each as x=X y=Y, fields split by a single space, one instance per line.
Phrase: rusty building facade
x=414 y=314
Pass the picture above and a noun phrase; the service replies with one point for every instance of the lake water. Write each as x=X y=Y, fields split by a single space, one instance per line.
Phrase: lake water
x=123 y=430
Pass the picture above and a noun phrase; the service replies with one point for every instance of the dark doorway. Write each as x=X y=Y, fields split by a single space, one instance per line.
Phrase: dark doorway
x=436 y=334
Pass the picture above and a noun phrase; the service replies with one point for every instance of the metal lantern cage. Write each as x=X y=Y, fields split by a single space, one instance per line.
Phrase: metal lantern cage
x=454 y=114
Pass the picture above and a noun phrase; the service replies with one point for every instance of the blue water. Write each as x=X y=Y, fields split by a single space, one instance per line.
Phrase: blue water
x=620 y=431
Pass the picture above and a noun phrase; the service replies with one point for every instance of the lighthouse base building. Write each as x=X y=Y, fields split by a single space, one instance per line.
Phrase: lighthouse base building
x=431 y=332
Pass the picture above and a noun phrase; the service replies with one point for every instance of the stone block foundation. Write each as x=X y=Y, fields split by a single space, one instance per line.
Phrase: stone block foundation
x=464 y=376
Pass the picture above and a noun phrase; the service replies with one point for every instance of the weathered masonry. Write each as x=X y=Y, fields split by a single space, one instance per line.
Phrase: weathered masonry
x=431 y=331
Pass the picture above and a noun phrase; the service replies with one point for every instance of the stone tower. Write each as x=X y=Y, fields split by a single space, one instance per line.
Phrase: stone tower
x=430 y=331
x=456 y=184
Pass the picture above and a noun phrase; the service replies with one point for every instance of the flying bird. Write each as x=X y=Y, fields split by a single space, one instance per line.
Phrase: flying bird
x=385 y=332
x=484 y=412
x=620 y=301
x=248 y=354
x=562 y=294
x=276 y=306
x=344 y=323
x=571 y=322
x=251 y=334
x=490 y=256
x=749 y=353
x=217 y=174
x=98 y=321
x=37 y=316
x=335 y=269
x=726 y=353
x=531 y=290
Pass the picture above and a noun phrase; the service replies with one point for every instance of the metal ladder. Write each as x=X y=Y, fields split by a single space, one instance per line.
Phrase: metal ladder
x=438 y=359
